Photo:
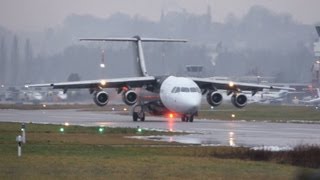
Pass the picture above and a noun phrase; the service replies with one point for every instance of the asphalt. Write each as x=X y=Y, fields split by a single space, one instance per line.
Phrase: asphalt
x=274 y=136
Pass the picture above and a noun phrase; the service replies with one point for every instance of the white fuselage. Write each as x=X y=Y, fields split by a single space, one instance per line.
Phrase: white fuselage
x=180 y=95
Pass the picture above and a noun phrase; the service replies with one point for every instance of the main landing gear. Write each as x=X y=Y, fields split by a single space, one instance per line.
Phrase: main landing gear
x=138 y=113
x=186 y=118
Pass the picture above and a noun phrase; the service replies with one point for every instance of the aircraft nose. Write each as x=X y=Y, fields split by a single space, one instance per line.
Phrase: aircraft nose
x=192 y=104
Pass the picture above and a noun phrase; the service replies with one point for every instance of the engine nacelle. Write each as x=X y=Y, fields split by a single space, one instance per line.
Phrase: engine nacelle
x=101 y=98
x=214 y=98
x=239 y=100
x=129 y=97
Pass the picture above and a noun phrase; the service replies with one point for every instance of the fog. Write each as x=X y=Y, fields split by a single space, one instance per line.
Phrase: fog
x=262 y=42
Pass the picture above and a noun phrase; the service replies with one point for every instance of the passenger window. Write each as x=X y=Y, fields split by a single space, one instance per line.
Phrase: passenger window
x=184 y=89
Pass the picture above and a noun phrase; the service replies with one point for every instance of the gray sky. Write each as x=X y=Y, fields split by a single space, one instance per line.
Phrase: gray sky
x=39 y=14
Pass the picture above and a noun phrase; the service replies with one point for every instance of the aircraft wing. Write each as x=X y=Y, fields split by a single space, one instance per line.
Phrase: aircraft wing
x=102 y=83
x=205 y=83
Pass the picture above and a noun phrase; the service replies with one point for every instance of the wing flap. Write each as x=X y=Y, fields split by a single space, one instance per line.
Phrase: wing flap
x=234 y=86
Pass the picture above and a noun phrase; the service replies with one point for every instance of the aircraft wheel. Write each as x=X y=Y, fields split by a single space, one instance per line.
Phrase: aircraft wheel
x=185 y=118
x=191 y=118
x=142 y=117
x=135 y=116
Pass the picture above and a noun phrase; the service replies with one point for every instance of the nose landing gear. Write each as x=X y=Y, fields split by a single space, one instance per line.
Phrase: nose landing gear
x=187 y=118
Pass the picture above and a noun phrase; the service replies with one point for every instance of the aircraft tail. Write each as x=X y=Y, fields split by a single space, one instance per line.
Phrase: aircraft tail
x=318 y=92
x=137 y=40
x=318 y=30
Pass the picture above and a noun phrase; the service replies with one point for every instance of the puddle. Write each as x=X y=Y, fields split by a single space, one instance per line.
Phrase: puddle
x=191 y=140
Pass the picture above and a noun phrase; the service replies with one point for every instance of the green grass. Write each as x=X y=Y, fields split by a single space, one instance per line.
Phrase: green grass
x=275 y=113
x=83 y=153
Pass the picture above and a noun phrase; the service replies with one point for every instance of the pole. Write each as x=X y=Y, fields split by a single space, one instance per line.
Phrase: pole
x=19 y=150
x=23 y=129
x=23 y=136
x=19 y=140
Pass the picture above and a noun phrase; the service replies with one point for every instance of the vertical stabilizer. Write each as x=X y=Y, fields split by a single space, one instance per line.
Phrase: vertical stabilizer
x=137 y=40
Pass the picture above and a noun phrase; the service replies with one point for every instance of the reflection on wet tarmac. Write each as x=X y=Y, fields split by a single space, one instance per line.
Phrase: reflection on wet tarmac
x=201 y=132
x=232 y=139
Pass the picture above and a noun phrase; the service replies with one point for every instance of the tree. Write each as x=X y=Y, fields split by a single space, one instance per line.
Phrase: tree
x=28 y=61
x=14 y=68
x=74 y=77
x=3 y=62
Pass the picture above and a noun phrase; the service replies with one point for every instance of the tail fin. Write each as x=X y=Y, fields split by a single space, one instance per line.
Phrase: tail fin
x=318 y=92
x=137 y=41
x=318 y=30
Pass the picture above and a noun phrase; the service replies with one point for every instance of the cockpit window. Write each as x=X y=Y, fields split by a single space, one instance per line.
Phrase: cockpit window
x=184 y=89
x=177 y=90
x=173 y=90
x=193 y=89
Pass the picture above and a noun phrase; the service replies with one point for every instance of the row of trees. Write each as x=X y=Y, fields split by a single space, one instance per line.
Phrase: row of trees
x=274 y=44
x=14 y=68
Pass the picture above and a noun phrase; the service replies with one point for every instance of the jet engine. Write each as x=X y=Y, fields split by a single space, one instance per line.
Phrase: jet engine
x=129 y=97
x=101 y=98
x=239 y=100
x=214 y=98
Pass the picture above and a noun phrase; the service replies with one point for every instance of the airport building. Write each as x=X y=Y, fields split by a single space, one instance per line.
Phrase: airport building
x=316 y=65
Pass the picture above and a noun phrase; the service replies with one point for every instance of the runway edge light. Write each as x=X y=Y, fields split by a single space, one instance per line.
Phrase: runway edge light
x=101 y=130
x=139 y=130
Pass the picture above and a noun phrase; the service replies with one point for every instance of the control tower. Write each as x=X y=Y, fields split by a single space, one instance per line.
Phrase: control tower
x=315 y=70
x=194 y=70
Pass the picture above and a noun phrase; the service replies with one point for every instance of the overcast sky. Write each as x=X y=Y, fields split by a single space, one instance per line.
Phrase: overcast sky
x=39 y=14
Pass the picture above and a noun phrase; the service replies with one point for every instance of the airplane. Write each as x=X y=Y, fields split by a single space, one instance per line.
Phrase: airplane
x=315 y=101
x=20 y=95
x=32 y=96
x=273 y=97
x=56 y=96
x=169 y=96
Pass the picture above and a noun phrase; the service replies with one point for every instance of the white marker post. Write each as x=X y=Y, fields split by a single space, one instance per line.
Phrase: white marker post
x=19 y=140
x=23 y=130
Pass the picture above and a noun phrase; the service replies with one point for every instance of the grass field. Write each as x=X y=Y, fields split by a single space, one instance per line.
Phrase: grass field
x=85 y=153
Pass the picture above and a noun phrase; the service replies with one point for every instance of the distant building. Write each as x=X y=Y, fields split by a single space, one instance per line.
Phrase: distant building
x=194 y=70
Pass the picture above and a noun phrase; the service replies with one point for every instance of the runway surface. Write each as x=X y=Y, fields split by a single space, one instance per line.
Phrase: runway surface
x=275 y=136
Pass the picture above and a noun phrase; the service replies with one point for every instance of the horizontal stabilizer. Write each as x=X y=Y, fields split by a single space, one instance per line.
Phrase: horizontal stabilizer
x=135 y=38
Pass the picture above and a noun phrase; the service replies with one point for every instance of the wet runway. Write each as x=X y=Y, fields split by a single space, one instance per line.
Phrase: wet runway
x=205 y=132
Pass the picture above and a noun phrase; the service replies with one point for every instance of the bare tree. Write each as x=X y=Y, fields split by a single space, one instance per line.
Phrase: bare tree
x=3 y=62
x=28 y=61
x=14 y=65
